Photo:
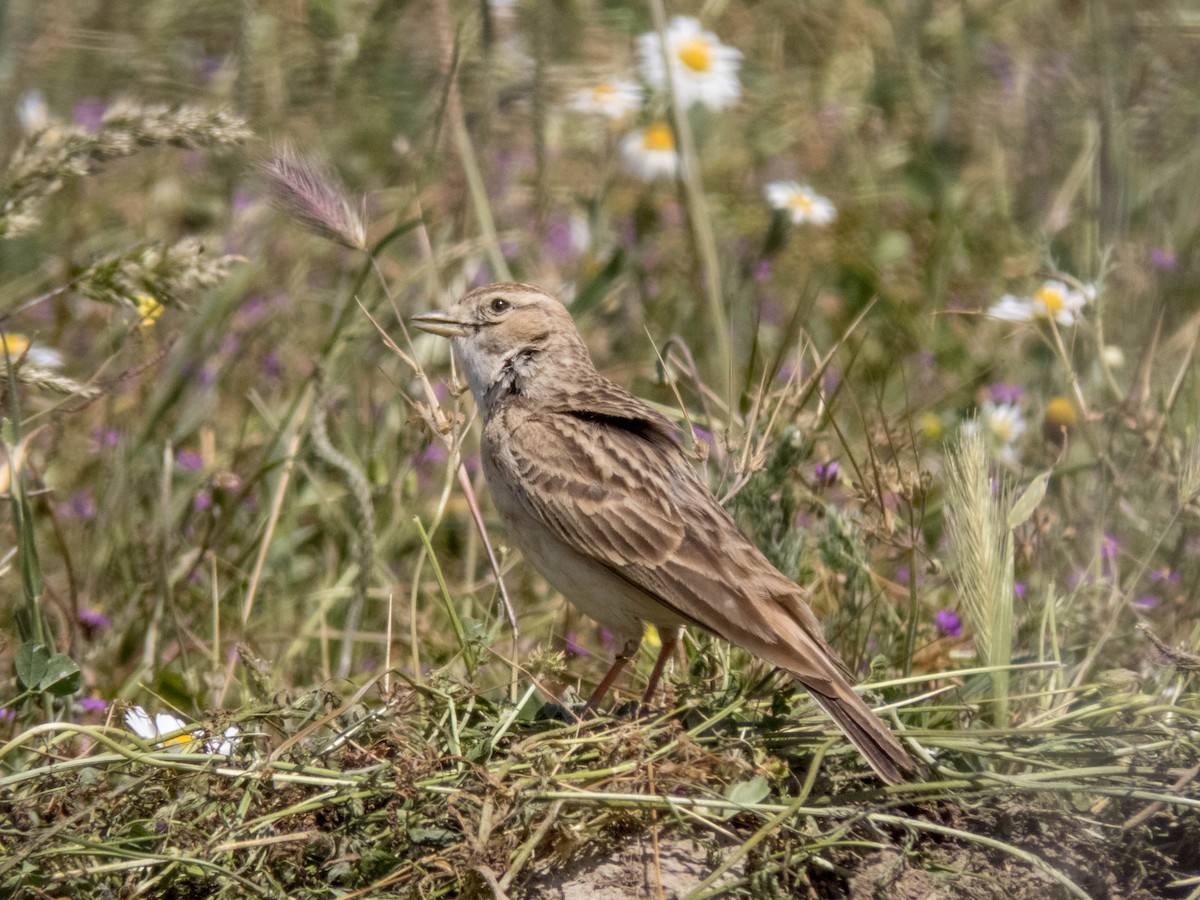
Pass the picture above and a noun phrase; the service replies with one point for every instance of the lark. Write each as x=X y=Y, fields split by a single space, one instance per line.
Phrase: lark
x=594 y=488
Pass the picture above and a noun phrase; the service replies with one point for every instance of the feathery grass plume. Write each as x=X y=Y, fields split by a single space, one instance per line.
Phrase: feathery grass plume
x=977 y=512
x=311 y=192
x=49 y=156
x=164 y=272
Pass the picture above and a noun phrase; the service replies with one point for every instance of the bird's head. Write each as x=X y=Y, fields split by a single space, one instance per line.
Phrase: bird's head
x=509 y=337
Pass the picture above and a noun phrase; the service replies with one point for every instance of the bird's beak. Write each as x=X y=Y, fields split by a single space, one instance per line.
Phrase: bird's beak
x=442 y=322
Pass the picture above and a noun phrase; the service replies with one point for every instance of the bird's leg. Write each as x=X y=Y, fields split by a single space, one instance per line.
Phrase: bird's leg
x=624 y=655
x=670 y=639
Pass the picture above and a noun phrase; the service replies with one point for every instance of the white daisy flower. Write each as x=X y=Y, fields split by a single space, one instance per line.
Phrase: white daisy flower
x=1011 y=309
x=650 y=152
x=616 y=99
x=1003 y=424
x=1003 y=421
x=1054 y=299
x=703 y=70
x=800 y=202
x=36 y=355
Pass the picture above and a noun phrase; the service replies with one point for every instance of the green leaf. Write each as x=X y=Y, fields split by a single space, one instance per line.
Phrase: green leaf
x=31 y=662
x=755 y=790
x=62 y=676
x=474 y=629
x=1029 y=500
x=432 y=836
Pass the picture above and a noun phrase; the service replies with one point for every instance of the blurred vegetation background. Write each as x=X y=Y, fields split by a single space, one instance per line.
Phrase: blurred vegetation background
x=196 y=543
x=918 y=279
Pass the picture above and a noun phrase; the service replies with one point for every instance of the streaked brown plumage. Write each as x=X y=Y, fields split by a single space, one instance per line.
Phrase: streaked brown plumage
x=596 y=491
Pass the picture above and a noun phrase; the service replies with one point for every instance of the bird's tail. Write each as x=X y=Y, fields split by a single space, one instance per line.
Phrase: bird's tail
x=866 y=731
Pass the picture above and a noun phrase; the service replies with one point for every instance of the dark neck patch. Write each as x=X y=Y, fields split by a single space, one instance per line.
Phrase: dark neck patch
x=512 y=374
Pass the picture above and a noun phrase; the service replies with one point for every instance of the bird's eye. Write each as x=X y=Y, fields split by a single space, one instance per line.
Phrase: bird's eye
x=499 y=304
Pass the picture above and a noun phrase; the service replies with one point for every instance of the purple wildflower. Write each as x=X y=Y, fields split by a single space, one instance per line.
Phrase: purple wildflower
x=1007 y=394
x=1162 y=258
x=104 y=438
x=574 y=647
x=826 y=474
x=1147 y=601
x=762 y=271
x=81 y=505
x=1163 y=576
x=93 y=705
x=189 y=459
x=272 y=367
x=94 y=619
x=432 y=455
x=948 y=622
x=1109 y=546
x=1019 y=590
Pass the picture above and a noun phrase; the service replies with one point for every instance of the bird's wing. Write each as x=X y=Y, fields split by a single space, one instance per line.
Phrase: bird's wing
x=583 y=473
x=609 y=480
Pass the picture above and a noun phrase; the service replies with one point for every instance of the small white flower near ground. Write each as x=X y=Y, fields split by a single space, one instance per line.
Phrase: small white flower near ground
x=616 y=99
x=1003 y=424
x=650 y=152
x=1004 y=421
x=17 y=345
x=1054 y=299
x=802 y=204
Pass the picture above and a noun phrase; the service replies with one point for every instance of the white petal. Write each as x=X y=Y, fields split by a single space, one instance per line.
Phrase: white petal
x=1011 y=309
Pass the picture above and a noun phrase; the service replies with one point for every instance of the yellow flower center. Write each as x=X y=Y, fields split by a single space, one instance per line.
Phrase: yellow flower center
x=1002 y=428
x=1050 y=298
x=696 y=54
x=1061 y=412
x=604 y=93
x=801 y=202
x=658 y=138
x=15 y=345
